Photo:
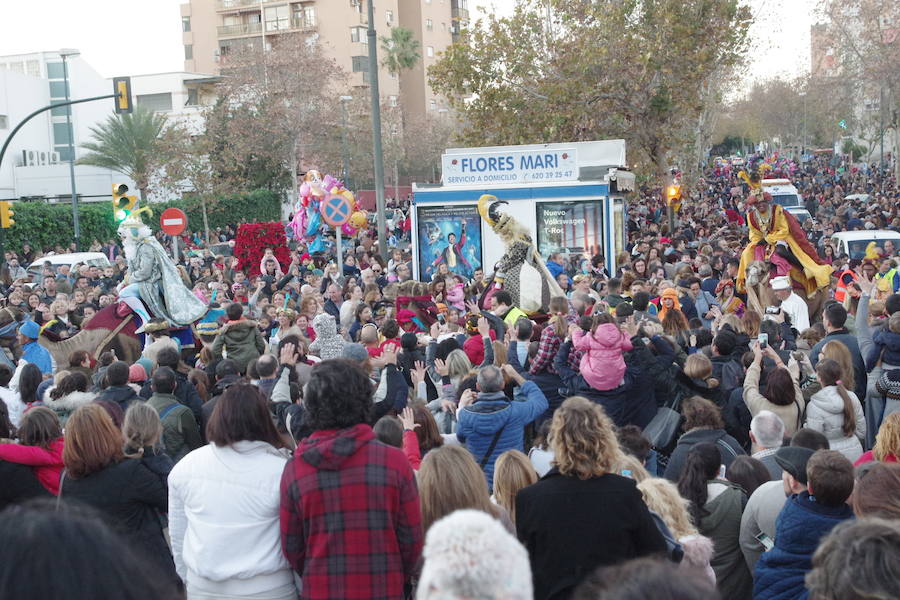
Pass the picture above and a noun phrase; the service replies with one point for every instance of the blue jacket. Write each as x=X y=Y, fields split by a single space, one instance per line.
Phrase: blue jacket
x=479 y=422
x=632 y=403
x=39 y=356
x=555 y=268
x=800 y=526
x=886 y=347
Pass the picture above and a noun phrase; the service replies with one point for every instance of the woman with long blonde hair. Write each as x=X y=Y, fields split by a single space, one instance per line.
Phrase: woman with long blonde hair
x=581 y=500
x=512 y=472
x=450 y=480
x=887 y=442
x=662 y=497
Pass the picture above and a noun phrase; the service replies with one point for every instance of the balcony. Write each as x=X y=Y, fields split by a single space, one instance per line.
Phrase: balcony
x=239 y=29
x=293 y=24
x=459 y=14
x=363 y=18
x=239 y=4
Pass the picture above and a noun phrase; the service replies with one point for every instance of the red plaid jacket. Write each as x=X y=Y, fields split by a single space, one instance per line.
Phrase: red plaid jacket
x=350 y=520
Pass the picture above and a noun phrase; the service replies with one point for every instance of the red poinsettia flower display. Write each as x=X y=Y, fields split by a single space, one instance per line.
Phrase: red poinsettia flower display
x=252 y=240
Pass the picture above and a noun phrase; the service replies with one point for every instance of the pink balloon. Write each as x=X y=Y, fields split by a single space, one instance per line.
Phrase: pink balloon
x=348 y=229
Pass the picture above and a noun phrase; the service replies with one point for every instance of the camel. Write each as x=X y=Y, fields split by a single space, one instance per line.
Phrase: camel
x=112 y=331
x=760 y=294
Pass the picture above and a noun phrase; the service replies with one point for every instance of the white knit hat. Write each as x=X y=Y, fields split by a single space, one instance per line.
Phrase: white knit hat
x=469 y=554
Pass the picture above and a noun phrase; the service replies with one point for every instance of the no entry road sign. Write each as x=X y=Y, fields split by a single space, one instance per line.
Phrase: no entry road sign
x=173 y=221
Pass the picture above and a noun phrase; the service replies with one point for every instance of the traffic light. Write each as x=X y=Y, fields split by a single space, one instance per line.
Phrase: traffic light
x=122 y=90
x=123 y=204
x=6 y=214
x=673 y=194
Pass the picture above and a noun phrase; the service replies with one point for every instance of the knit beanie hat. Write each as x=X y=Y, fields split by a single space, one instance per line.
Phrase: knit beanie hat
x=355 y=352
x=889 y=384
x=469 y=554
x=137 y=374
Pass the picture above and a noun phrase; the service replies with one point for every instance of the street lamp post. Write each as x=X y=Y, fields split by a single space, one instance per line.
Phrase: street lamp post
x=338 y=249
x=64 y=54
x=376 y=131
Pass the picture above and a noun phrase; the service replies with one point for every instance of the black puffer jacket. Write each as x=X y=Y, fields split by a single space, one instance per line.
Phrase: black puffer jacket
x=129 y=497
x=633 y=402
x=123 y=395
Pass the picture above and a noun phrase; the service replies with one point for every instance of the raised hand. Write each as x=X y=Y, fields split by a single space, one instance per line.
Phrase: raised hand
x=408 y=420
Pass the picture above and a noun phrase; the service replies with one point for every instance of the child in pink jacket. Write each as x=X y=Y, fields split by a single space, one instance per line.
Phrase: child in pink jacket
x=456 y=294
x=40 y=447
x=602 y=365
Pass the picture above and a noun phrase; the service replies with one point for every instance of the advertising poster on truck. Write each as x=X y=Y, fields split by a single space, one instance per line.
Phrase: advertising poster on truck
x=450 y=235
x=570 y=227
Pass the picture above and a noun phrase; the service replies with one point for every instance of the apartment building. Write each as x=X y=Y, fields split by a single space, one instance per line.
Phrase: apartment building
x=36 y=164
x=211 y=29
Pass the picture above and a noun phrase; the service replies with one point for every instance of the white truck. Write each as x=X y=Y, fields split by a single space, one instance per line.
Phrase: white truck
x=785 y=194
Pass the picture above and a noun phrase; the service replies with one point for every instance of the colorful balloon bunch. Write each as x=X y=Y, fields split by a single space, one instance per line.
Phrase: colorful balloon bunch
x=307 y=222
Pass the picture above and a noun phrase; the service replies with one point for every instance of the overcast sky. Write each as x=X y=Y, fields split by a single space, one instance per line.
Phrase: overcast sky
x=132 y=37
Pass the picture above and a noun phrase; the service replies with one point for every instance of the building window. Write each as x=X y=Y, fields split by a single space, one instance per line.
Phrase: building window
x=4 y=122
x=156 y=102
x=392 y=101
x=55 y=70
x=193 y=98
x=57 y=89
x=186 y=24
x=358 y=34
x=389 y=16
x=64 y=155
x=277 y=18
x=61 y=133
x=360 y=64
x=188 y=52
x=429 y=24
x=429 y=51
x=33 y=68
x=309 y=15
x=59 y=111
x=433 y=104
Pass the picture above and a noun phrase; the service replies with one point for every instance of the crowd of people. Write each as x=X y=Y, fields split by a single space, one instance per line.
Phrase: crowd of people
x=345 y=431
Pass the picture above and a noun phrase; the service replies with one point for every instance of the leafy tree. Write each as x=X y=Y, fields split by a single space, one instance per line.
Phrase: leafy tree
x=276 y=109
x=401 y=50
x=639 y=69
x=128 y=144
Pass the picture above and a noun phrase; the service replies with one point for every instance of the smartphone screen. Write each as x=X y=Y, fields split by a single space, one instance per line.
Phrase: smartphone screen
x=767 y=542
x=763 y=340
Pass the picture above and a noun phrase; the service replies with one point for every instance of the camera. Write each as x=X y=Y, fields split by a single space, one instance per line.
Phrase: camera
x=773 y=310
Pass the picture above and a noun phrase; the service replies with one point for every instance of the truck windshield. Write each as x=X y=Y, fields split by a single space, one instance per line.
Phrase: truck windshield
x=787 y=200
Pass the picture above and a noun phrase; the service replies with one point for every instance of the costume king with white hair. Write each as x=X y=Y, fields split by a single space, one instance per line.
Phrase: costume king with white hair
x=153 y=281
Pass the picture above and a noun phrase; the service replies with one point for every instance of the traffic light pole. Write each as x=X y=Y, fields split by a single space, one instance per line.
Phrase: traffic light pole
x=45 y=109
x=13 y=133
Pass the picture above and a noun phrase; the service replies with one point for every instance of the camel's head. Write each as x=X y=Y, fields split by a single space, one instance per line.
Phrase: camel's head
x=757 y=272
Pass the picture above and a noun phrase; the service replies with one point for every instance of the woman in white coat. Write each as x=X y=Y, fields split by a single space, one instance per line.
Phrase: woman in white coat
x=223 y=506
x=836 y=412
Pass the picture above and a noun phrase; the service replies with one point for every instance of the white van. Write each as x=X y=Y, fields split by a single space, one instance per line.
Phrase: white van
x=94 y=259
x=853 y=243
x=785 y=194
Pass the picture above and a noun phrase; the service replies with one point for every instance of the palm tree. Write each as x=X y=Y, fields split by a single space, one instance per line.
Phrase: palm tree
x=401 y=50
x=128 y=144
